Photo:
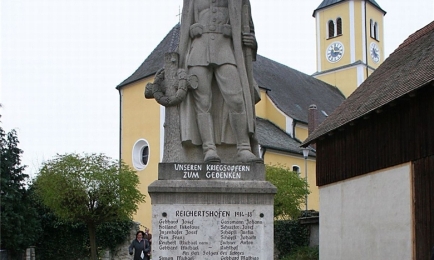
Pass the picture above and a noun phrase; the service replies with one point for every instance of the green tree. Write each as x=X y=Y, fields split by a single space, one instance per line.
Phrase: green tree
x=92 y=189
x=291 y=191
x=56 y=231
x=19 y=223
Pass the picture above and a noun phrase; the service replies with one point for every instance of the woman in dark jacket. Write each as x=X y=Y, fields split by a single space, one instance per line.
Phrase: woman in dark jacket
x=141 y=247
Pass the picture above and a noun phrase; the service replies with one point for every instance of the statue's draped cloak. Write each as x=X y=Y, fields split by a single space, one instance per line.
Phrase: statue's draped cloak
x=219 y=111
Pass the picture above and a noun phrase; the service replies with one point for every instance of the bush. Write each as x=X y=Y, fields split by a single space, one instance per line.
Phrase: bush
x=303 y=253
x=70 y=240
x=288 y=236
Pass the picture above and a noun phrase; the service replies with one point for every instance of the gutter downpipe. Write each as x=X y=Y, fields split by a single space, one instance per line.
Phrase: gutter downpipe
x=120 y=125
x=366 y=44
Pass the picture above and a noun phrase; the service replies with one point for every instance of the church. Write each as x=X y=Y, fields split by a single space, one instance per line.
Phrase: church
x=349 y=39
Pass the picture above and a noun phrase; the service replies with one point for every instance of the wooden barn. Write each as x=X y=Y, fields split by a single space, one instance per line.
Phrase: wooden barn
x=375 y=161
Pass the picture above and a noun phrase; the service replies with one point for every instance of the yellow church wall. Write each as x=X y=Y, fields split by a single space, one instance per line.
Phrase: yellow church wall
x=267 y=110
x=301 y=131
x=287 y=160
x=347 y=81
x=342 y=10
x=359 y=40
x=362 y=43
x=377 y=16
x=327 y=14
x=260 y=107
x=141 y=120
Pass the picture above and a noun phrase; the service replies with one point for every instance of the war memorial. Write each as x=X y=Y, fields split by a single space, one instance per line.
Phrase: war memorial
x=211 y=200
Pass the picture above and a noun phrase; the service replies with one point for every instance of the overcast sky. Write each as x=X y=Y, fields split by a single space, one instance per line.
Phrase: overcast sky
x=62 y=59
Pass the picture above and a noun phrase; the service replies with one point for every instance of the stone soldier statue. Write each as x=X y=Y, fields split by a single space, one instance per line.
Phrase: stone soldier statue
x=216 y=40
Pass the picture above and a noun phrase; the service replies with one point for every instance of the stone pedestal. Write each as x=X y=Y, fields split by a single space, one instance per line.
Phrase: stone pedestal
x=212 y=211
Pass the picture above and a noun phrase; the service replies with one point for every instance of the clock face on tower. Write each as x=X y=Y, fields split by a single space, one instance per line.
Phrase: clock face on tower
x=335 y=51
x=375 y=52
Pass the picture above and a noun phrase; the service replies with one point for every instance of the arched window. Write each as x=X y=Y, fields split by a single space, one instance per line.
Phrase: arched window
x=339 y=26
x=376 y=31
x=141 y=154
x=331 y=27
x=145 y=155
x=296 y=168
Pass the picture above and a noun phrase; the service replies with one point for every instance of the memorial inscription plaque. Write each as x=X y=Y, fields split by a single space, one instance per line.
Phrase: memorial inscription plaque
x=225 y=232
x=201 y=171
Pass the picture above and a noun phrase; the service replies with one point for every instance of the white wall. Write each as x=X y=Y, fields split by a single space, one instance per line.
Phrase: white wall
x=368 y=217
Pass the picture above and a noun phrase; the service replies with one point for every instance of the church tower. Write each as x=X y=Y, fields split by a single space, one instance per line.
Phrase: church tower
x=349 y=40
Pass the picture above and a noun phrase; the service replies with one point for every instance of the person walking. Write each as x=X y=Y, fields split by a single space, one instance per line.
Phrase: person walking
x=148 y=236
x=140 y=247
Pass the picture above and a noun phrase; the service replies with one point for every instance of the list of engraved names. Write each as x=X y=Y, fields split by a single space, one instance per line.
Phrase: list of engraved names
x=193 y=234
